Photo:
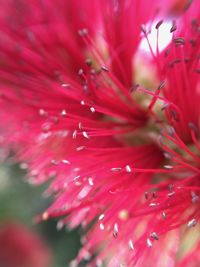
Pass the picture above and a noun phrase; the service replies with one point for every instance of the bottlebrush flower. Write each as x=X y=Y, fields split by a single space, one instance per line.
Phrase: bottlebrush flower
x=20 y=247
x=120 y=162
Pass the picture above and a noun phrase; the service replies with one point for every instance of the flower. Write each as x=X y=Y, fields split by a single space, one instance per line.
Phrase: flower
x=22 y=248
x=123 y=156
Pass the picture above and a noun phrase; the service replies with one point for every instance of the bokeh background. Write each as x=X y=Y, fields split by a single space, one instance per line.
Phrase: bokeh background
x=21 y=203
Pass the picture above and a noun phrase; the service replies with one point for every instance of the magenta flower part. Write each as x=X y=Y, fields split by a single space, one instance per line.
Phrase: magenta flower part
x=20 y=247
x=113 y=127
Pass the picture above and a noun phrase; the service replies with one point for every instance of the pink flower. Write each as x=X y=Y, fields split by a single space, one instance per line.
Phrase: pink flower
x=20 y=247
x=124 y=159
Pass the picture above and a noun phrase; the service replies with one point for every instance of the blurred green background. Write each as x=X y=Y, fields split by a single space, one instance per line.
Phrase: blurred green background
x=21 y=202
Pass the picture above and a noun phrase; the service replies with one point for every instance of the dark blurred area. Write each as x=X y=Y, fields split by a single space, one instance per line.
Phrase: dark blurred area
x=24 y=243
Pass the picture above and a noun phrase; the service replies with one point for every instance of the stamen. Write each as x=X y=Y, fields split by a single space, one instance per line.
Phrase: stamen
x=174 y=27
x=149 y=243
x=128 y=168
x=159 y=24
x=192 y=223
x=116 y=230
x=63 y=113
x=130 y=243
x=85 y=134
x=102 y=227
x=92 y=109
x=101 y=217
x=104 y=68
x=154 y=236
x=179 y=41
x=83 y=32
x=116 y=169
